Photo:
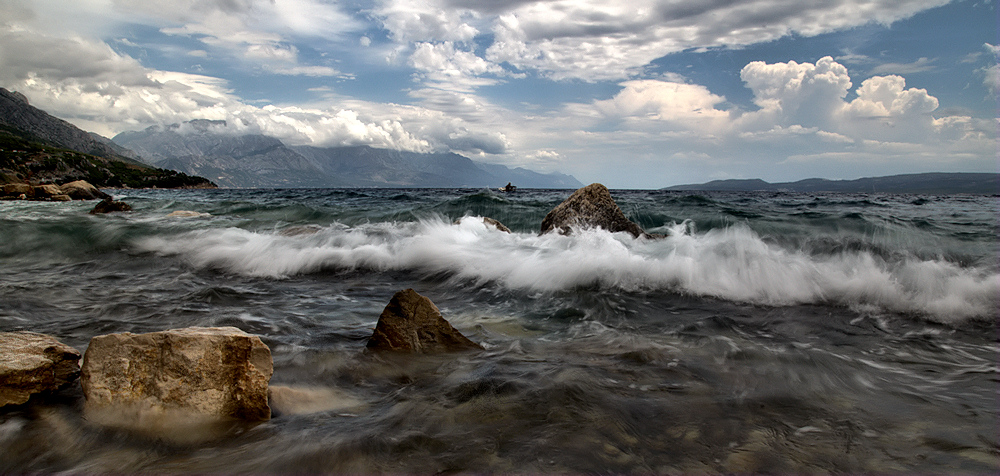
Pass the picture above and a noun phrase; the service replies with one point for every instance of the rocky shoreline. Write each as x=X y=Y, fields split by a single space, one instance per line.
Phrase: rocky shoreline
x=181 y=381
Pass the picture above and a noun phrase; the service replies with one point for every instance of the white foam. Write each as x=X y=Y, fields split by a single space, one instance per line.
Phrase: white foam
x=732 y=263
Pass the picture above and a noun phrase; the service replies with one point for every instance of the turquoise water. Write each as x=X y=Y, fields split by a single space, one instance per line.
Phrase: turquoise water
x=766 y=332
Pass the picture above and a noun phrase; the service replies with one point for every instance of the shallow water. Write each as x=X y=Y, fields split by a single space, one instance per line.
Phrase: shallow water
x=766 y=333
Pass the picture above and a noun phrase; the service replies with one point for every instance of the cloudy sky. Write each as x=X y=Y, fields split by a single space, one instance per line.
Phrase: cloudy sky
x=633 y=94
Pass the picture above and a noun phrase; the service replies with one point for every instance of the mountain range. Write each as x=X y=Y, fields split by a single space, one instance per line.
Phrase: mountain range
x=37 y=148
x=201 y=147
x=926 y=183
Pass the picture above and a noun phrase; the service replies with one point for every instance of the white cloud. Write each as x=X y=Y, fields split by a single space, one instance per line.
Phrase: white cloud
x=992 y=73
x=427 y=20
x=683 y=106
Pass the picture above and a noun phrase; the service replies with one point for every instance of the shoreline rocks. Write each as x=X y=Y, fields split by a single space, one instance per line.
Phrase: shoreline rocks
x=412 y=323
x=590 y=207
x=176 y=376
x=76 y=190
x=33 y=363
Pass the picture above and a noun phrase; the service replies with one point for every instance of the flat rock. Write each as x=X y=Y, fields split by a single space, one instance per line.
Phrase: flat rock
x=83 y=190
x=46 y=191
x=412 y=323
x=32 y=363
x=589 y=207
x=158 y=378
x=108 y=205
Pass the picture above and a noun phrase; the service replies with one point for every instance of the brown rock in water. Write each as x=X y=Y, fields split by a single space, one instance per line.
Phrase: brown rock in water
x=412 y=323
x=31 y=363
x=61 y=198
x=83 y=190
x=108 y=205
x=496 y=224
x=209 y=373
x=15 y=189
x=46 y=191
x=589 y=207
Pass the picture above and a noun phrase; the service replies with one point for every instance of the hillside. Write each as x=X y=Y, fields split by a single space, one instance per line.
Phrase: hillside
x=36 y=147
x=926 y=183
x=250 y=160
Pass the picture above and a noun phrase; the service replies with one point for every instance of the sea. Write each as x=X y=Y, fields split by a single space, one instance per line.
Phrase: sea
x=763 y=333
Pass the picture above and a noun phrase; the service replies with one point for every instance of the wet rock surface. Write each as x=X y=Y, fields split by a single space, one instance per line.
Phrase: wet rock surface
x=32 y=363
x=589 y=207
x=412 y=323
x=196 y=372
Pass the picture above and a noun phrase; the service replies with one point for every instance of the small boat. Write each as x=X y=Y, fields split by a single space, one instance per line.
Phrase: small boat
x=508 y=188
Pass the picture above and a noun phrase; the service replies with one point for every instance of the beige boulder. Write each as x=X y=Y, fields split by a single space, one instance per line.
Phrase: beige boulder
x=46 y=191
x=159 y=378
x=32 y=363
x=15 y=189
x=82 y=190
x=589 y=207
x=412 y=323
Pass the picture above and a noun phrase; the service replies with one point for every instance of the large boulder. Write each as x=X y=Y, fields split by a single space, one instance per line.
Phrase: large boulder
x=412 y=323
x=209 y=373
x=32 y=363
x=589 y=207
x=83 y=190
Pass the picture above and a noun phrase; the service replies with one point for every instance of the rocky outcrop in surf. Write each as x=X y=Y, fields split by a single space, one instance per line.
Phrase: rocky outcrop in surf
x=412 y=323
x=33 y=363
x=191 y=374
x=590 y=207
x=108 y=206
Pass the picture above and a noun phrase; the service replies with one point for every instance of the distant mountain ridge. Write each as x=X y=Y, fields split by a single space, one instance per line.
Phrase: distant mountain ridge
x=18 y=114
x=258 y=161
x=925 y=183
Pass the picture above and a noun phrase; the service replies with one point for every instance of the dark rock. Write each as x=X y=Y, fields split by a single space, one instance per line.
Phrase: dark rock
x=412 y=323
x=31 y=363
x=589 y=207
x=83 y=190
x=205 y=373
x=108 y=205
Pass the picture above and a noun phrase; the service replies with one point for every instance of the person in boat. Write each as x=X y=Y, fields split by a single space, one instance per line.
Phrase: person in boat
x=509 y=188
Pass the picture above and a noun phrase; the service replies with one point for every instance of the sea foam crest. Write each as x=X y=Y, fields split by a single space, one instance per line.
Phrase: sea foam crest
x=732 y=263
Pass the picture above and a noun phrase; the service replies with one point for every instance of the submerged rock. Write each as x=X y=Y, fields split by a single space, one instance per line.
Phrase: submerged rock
x=83 y=190
x=589 y=207
x=108 y=205
x=179 y=375
x=32 y=363
x=412 y=323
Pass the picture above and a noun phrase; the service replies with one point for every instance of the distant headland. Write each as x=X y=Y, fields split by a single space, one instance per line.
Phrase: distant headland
x=925 y=183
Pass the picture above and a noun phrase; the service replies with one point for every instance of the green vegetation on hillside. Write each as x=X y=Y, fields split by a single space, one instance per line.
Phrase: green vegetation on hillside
x=25 y=160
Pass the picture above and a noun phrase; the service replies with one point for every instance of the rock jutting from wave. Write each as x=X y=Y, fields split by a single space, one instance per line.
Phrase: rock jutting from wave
x=33 y=363
x=412 y=323
x=176 y=379
x=108 y=206
x=590 y=207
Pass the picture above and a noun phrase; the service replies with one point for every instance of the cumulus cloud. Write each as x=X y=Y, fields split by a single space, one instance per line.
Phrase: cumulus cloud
x=686 y=106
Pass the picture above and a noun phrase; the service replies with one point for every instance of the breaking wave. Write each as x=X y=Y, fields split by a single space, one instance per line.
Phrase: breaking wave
x=731 y=263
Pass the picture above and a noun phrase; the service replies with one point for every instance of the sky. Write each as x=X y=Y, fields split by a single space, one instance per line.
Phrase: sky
x=632 y=94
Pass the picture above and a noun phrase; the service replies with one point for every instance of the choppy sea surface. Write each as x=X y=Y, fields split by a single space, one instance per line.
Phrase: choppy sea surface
x=767 y=332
